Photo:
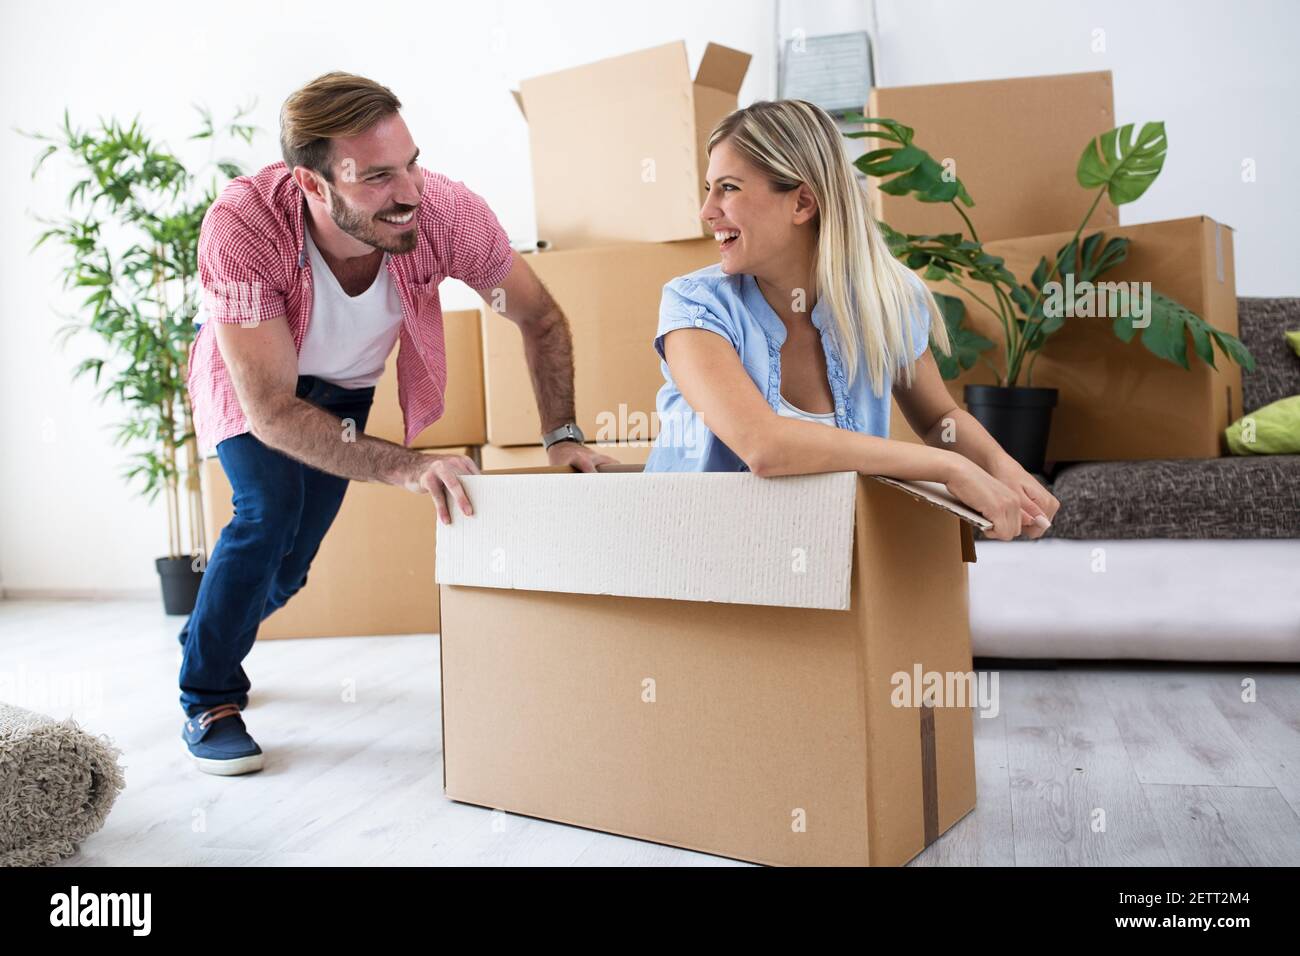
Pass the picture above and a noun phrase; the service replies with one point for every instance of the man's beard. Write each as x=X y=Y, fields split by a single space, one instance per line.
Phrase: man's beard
x=362 y=227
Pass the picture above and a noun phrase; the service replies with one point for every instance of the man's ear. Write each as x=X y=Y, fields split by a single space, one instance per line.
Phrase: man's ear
x=805 y=205
x=309 y=182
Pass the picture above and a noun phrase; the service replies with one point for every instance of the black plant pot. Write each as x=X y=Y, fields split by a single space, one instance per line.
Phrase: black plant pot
x=1019 y=419
x=180 y=584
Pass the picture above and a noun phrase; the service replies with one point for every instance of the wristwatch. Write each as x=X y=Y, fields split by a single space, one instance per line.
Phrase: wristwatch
x=566 y=432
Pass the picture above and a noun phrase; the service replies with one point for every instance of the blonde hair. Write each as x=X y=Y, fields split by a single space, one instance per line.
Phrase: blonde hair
x=794 y=142
x=334 y=104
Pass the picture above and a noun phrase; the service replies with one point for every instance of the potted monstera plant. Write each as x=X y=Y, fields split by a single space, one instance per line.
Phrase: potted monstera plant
x=130 y=235
x=1116 y=164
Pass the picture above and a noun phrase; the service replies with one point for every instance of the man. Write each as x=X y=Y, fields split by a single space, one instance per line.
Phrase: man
x=311 y=270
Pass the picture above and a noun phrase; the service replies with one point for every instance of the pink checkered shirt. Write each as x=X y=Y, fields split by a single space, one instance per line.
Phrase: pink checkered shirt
x=253 y=266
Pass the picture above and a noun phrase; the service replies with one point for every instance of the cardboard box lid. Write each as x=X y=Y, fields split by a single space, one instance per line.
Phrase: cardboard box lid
x=722 y=537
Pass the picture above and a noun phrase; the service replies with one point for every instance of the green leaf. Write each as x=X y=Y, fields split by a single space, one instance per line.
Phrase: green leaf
x=1170 y=325
x=1125 y=167
x=1232 y=347
x=1166 y=336
x=40 y=159
x=917 y=173
x=890 y=130
x=966 y=345
x=1201 y=342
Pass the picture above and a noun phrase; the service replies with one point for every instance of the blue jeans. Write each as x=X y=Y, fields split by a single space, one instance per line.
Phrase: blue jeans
x=282 y=510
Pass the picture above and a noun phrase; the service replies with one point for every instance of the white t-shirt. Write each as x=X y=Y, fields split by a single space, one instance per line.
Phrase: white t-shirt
x=349 y=337
x=786 y=410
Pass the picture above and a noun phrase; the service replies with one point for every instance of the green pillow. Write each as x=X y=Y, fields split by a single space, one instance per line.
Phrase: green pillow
x=1276 y=429
x=1294 y=339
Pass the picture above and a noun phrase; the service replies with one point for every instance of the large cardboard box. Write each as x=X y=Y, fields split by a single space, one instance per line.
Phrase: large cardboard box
x=463 y=420
x=611 y=298
x=625 y=652
x=373 y=573
x=618 y=146
x=493 y=458
x=1118 y=401
x=1016 y=144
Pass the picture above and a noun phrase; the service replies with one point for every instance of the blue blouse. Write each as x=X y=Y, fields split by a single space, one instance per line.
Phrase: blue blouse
x=733 y=306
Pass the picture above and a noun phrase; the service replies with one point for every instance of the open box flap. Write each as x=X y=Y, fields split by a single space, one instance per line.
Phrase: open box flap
x=936 y=494
x=723 y=537
x=722 y=68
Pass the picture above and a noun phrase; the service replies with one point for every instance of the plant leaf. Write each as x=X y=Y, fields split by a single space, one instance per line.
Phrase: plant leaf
x=966 y=344
x=918 y=173
x=1123 y=166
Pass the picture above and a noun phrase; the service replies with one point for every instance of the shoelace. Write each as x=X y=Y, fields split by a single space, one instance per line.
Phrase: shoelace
x=215 y=714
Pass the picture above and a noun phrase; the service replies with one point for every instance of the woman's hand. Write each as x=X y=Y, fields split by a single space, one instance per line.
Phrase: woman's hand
x=1037 y=505
x=992 y=498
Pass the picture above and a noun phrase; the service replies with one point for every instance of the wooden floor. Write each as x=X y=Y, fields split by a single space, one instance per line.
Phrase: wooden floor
x=1131 y=765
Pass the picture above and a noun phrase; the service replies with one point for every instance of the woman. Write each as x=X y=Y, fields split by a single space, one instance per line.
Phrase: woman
x=802 y=325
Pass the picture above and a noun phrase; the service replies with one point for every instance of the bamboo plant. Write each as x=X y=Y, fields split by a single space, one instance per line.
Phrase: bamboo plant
x=130 y=234
x=1115 y=164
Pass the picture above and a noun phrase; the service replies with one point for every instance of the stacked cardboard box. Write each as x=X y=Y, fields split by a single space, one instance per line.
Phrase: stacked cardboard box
x=1118 y=401
x=1015 y=144
x=617 y=231
x=463 y=421
x=374 y=571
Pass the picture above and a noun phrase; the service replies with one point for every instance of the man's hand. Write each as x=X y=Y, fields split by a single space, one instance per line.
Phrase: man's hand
x=439 y=475
x=578 y=457
x=1037 y=505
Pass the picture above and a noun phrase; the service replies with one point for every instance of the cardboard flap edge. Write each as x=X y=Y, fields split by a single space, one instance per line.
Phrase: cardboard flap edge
x=967 y=543
x=936 y=494
x=722 y=68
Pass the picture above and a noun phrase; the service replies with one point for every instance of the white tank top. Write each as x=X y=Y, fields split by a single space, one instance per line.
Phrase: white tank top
x=786 y=410
x=348 y=337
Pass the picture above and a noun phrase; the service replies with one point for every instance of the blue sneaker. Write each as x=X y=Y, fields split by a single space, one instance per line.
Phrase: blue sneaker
x=219 y=742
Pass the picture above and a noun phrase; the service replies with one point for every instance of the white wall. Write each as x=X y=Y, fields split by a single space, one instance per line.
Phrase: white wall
x=1220 y=74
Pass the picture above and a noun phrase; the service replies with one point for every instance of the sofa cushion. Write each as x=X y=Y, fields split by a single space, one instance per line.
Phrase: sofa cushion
x=1261 y=322
x=1255 y=497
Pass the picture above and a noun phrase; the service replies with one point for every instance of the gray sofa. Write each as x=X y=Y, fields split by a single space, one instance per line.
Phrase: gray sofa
x=1189 y=559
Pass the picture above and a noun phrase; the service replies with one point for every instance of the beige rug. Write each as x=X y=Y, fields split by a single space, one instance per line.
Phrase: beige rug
x=57 y=785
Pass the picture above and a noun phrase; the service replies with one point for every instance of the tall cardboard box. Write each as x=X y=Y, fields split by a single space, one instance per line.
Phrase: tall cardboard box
x=1016 y=144
x=610 y=296
x=494 y=458
x=618 y=146
x=1118 y=401
x=373 y=573
x=621 y=652
x=463 y=420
